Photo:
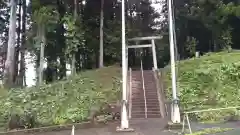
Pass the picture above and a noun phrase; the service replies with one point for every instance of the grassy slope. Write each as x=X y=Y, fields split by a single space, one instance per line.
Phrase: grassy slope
x=65 y=101
x=211 y=81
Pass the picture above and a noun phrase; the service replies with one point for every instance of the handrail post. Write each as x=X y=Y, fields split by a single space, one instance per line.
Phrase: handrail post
x=130 y=94
x=188 y=122
x=144 y=91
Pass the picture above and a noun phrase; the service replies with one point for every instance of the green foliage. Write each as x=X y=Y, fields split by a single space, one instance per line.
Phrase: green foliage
x=43 y=19
x=45 y=16
x=209 y=82
x=191 y=44
x=74 y=35
x=226 y=39
x=65 y=101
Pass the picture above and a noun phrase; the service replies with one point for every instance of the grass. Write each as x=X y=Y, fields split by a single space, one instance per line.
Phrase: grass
x=66 y=101
x=208 y=131
x=211 y=81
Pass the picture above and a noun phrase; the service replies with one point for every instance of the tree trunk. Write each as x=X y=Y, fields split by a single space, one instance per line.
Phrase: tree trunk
x=73 y=59
x=9 y=65
x=16 y=78
x=22 y=52
x=73 y=68
x=61 y=39
x=75 y=9
x=101 y=36
x=43 y=43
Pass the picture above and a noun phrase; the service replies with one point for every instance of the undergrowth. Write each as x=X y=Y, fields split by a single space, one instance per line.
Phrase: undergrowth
x=211 y=81
x=64 y=101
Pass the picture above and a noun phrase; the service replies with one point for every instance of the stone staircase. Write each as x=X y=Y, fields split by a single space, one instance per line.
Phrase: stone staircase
x=144 y=105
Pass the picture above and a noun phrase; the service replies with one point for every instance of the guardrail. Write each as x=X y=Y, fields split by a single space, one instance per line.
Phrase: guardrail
x=186 y=118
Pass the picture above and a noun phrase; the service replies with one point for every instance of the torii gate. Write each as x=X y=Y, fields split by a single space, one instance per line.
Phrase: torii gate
x=152 y=45
x=175 y=108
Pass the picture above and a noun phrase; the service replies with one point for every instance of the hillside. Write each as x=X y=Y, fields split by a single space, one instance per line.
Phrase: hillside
x=208 y=82
x=64 y=101
x=211 y=81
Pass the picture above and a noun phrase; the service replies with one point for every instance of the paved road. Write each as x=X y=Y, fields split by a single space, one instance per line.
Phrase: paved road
x=142 y=127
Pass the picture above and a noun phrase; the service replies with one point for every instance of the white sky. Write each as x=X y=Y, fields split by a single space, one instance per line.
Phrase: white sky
x=30 y=70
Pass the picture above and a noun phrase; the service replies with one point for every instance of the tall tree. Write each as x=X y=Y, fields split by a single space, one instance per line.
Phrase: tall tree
x=61 y=41
x=23 y=45
x=43 y=17
x=101 y=35
x=10 y=62
x=18 y=45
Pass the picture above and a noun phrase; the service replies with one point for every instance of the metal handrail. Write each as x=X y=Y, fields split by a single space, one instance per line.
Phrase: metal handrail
x=130 y=93
x=144 y=90
x=185 y=117
x=162 y=106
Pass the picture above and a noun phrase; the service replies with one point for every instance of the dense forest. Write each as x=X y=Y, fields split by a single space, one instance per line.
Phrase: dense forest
x=87 y=33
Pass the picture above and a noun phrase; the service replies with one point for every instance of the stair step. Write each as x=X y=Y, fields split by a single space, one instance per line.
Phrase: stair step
x=148 y=111
x=142 y=93
x=138 y=103
x=135 y=96
x=140 y=106
x=151 y=94
x=147 y=101
x=150 y=88
x=152 y=99
x=135 y=81
x=143 y=112
x=148 y=116
x=150 y=91
x=143 y=106
x=137 y=78
x=138 y=116
x=148 y=98
x=153 y=115
x=136 y=88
